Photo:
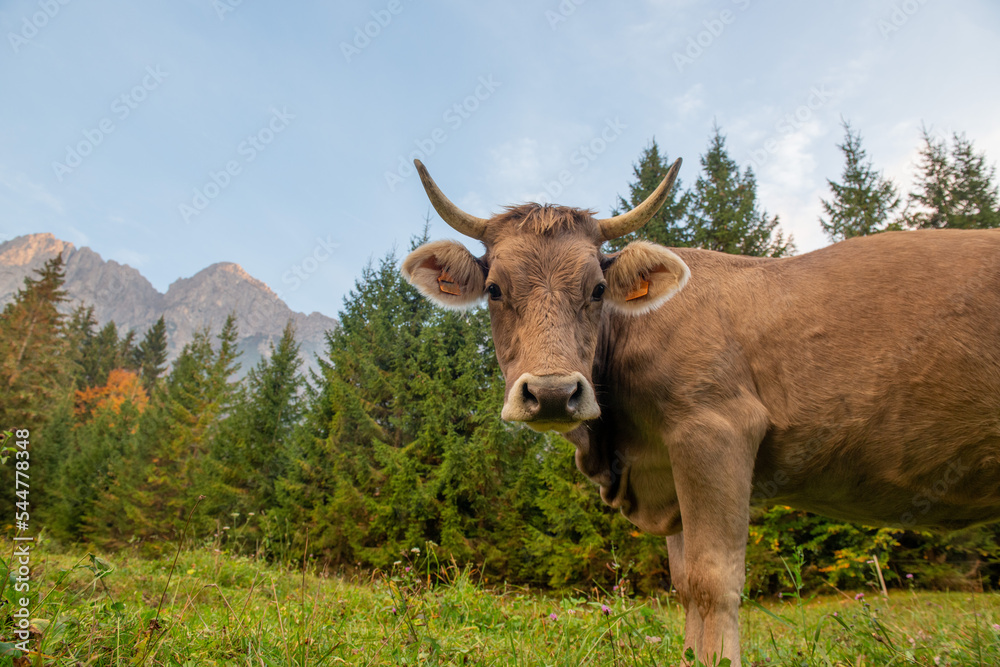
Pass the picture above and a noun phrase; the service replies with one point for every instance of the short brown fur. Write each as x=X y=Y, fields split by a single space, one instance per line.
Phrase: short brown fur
x=861 y=381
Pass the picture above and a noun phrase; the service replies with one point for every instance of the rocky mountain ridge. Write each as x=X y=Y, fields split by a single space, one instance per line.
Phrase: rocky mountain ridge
x=119 y=292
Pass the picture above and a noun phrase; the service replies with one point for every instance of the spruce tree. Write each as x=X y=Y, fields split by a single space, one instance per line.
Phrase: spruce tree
x=150 y=355
x=401 y=443
x=955 y=188
x=725 y=214
x=101 y=355
x=35 y=357
x=165 y=470
x=974 y=190
x=251 y=449
x=862 y=203
x=667 y=226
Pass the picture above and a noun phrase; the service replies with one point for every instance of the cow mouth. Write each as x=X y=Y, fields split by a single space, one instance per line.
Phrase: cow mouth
x=558 y=427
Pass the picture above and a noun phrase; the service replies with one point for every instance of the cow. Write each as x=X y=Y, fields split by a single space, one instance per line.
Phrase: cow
x=860 y=381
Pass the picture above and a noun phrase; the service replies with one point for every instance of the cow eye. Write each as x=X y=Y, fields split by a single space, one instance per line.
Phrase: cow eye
x=598 y=292
x=494 y=291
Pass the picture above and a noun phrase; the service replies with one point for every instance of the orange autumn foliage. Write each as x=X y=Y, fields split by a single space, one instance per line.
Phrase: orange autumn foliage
x=122 y=386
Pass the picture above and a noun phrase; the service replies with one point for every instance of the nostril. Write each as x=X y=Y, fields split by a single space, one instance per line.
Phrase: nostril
x=574 y=399
x=530 y=401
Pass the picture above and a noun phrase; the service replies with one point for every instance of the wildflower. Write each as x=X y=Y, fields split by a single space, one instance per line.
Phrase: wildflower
x=859 y=596
x=780 y=595
x=996 y=626
x=553 y=616
x=909 y=576
x=834 y=613
x=605 y=609
x=415 y=550
x=615 y=587
x=407 y=568
x=394 y=610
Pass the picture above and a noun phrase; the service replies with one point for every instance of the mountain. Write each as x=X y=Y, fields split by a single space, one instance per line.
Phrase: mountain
x=120 y=293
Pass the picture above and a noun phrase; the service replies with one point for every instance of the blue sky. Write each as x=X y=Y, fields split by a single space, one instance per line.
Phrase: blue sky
x=170 y=136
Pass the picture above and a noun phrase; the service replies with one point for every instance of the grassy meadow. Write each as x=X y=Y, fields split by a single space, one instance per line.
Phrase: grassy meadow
x=212 y=608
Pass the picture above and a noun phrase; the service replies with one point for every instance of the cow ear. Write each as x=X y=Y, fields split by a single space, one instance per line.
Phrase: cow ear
x=446 y=273
x=643 y=276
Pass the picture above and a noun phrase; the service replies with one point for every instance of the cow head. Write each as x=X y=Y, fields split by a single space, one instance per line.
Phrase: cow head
x=547 y=282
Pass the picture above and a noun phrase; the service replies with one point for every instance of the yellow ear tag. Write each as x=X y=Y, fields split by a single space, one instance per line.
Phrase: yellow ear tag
x=640 y=291
x=447 y=284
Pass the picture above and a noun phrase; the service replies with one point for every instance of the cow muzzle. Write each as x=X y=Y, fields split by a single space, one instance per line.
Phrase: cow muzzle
x=551 y=402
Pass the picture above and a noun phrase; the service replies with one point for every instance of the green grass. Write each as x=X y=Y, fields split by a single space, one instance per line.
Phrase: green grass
x=223 y=610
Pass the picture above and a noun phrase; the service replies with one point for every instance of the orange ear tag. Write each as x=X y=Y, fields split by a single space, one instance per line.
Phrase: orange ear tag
x=640 y=291
x=447 y=284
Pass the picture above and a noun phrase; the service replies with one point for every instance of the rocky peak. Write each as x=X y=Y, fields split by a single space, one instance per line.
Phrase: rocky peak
x=120 y=293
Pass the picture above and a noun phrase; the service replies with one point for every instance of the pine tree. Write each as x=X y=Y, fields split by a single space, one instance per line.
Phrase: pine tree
x=400 y=442
x=161 y=476
x=861 y=205
x=92 y=445
x=974 y=190
x=150 y=355
x=35 y=358
x=101 y=355
x=667 y=226
x=79 y=333
x=251 y=449
x=955 y=188
x=725 y=215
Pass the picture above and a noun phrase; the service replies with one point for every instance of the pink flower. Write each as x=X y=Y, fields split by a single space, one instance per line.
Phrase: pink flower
x=909 y=576
x=553 y=616
x=859 y=596
x=996 y=626
x=407 y=569
x=605 y=609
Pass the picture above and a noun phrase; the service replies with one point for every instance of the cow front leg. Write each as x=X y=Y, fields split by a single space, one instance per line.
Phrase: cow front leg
x=715 y=582
x=713 y=468
x=678 y=577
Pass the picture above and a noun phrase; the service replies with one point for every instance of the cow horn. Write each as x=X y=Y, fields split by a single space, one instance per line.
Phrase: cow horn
x=459 y=220
x=620 y=225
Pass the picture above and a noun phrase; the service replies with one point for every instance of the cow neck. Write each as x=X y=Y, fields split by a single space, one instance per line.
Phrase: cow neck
x=619 y=378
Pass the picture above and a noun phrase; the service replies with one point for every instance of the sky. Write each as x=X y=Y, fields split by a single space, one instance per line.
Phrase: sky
x=171 y=136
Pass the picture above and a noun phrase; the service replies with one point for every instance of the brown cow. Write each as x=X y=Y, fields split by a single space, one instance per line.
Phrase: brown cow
x=860 y=381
